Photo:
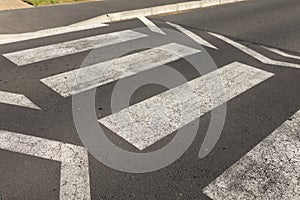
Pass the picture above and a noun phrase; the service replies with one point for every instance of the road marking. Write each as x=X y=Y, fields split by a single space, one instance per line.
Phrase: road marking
x=151 y=25
x=255 y=54
x=10 y=38
x=192 y=35
x=16 y=99
x=29 y=56
x=83 y=79
x=149 y=121
x=74 y=180
x=281 y=53
x=269 y=171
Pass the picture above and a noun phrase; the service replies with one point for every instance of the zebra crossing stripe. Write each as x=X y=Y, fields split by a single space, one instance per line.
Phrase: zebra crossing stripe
x=10 y=38
x=74 y=180
x=255 y=54
x=16 y=99
x=149 y=121
x=281 y=53
x=34 y=55
x=83 y=79
x=192 y=35
x=269 y=171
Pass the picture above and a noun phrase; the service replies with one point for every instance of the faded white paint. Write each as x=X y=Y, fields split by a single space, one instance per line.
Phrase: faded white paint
x=151 y=120
x=80 y=80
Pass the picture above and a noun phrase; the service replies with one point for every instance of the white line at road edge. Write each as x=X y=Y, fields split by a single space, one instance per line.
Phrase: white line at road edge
x=74 y=178
x=83 y=79
x=149 y=121
x=281 y=53
x=269 y=171
x=255 y=54
x=192 y=35
x=10 y=38
x=151 y=25
x=34 y=55
x=16 y=99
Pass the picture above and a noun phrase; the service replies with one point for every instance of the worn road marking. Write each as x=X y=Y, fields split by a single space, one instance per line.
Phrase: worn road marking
x=29 y=56
x=10 y=38
x=149 y=121
x=151 y=25
x=270 y=171
x=83 y=79
x=17 y=99
x=192 y=35
x=281 y=53
x=74 y=180
x=255 y=54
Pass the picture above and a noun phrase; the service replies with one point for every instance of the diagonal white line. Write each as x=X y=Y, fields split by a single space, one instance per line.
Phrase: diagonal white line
x=16 y=99
x=281 y=53
x=192 y=35
x=34 y=55
x=269 y=171
x=83 y=79
x=74 y=181
x=147 y=122
x=255 y=54
x=10 y=38
x=151 y=25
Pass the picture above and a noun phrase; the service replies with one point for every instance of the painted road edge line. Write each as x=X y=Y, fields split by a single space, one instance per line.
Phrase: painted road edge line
x=29 y=56
x=151 y=25
x=17 y=100
x=269 y=171
x=192 y=35
x=149 y=121
x=74 y=180
x=255 y=54
x=11 y=38
x=82 y=79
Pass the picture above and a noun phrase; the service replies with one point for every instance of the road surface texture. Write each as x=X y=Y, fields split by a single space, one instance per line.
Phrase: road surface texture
x=253 y=50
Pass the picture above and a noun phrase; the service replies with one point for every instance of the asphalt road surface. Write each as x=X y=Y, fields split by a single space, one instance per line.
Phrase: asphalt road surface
x=224 y=80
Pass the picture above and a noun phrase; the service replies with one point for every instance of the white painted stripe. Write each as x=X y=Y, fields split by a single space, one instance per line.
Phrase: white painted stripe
x=255 y=54
x=83 y=79
x=74 y=181
x=29 y=56
x=149 y=121
x=192 y=35
x=151 y=25
x=281 y=53
x=16 y=99
x=269 y=171
x=9 y=38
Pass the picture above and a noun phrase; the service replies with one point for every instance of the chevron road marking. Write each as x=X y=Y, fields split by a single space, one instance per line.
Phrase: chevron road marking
x=255 y=54
x=16 y=99
x=192 y=35
x=151 y=25
x=79 y=80
x=74 y=180
x=269 y=171
x=149 y=121
x=34 y=55
x=281 y=53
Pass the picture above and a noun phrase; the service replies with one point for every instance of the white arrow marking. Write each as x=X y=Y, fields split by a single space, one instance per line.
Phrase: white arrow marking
x=255 y=54
x=151 y=25
x=192 y=35
x=269 y=171
x=83 y=79
x=147 y=122
x=29 y=56
x=74 y=180
x=16 y=99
